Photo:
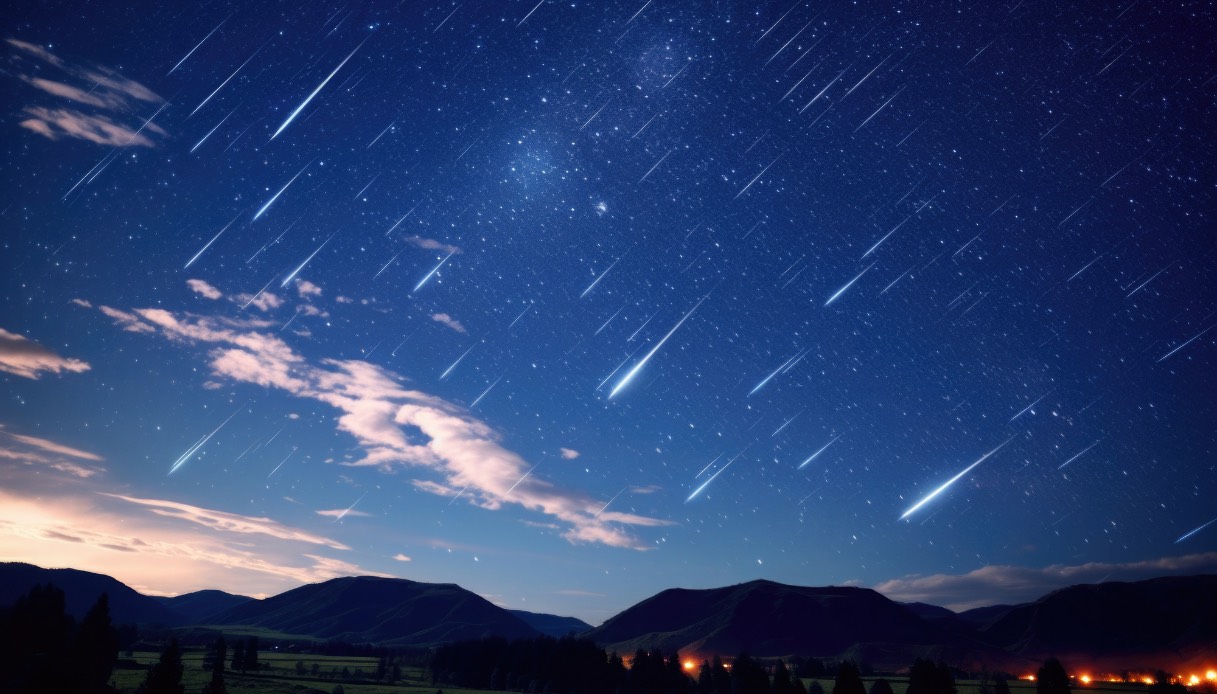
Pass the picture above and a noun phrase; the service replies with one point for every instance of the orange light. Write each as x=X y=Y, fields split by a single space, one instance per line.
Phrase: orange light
x=1210 y=675
x=689 y=664
x=1193 y=680
x=1085 y=679
x=1147 y=680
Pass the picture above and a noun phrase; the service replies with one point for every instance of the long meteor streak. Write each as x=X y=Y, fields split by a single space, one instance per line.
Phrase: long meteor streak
x=629 y=376
x=598 y=278
x=349 y=508
x=705 y=484
x=953 y=480
x=433 y=271
x=775 y=373
x=275 y=197
x=200 y=43
x=822 y=449
x=321 y=86
x=295 y=272
x=1194 y=531
x=200 y=443
x=208 y=245
x=1079 y=455
x=847 y=285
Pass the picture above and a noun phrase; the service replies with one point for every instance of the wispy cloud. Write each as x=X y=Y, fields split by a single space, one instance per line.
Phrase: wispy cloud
x=568 y=453
x=101 y=104
x=433 y=245
x=23 y=357
x=998 y=584
x=343 y=513
x=204 y=289
x=444 y=440
x=39 y=452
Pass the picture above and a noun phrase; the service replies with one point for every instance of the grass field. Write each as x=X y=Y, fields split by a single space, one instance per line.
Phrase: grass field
x=279 y=676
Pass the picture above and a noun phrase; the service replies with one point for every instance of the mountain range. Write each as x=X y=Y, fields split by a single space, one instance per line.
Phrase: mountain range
x=1168 y=623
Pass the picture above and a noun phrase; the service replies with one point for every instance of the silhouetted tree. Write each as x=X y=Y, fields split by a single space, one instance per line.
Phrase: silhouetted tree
x=251 y=654
x=798 y=687
x=713 y=678
x=849 y=679
x=95 y=649
x=881 y=686
x=1001 y=686
x=34 y=641
x=166 y=676
x=927 y=678
x=238 y=656
x=815 y=687
x=1163 y=685
x=1051 y=678
x=216 y=685
x=748 y=677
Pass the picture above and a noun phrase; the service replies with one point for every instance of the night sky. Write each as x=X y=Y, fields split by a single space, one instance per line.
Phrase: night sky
x=572 y=302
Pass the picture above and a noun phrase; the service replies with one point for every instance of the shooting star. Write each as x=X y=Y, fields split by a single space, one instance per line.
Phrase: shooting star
x=275 y=197
x=776 y=371
x=433 y=271
x=1079 y=455
x=847 y=286
x=1027 y=408
x=458 y=360
x=1190 y=340
x=1196 y=530
x=610 y=502
x=350 y=508
x=321 y=86
x=705 y=484
x=295 y=272
x=629 y=376
x=208 y=244
x=757 y=177
x=200 y=43
x=199 y=444
x=281 y=462
x=484 y=392
x=209 y=132
x=534 y=467
x=599 y=277
x=822 y=449
x=217 y=89
x=953 y=480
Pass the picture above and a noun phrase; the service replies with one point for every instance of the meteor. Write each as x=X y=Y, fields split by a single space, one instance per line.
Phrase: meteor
x=281 y=462
x=813 y=455
x=1190 y=340
x=1027 y=408
x=458 y=360
x=629 y=376
x=200 y=43
x=598 y=278
x=321 y=86
x=1079 y=455
x=183 y=458
x=485 y=392
x=349 y=508
x=217 y=89
x=208 y=245
x=1196 y=530
x=209 y=132
x=276 y=195
x=775 y=373
x=953 y=480
x=306 y=262
x=705 y=484
x=847 y=285
x=610 y=501
x=433 y=271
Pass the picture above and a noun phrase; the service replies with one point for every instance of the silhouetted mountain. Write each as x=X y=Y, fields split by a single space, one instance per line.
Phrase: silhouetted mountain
x=552 y=624
x=202 y=606
x=980 y=616
x=389 y=611
x=81 y=589
x=772 y=619
x=929 y=612
x=1162 y=622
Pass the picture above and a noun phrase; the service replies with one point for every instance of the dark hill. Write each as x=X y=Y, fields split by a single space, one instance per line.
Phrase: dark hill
x=389 y=611
x=552 y=625
x=980 y=616
x=1165 y=622
x=772 y=619
x=929 y=612
x=202 y=606
x=81 y=590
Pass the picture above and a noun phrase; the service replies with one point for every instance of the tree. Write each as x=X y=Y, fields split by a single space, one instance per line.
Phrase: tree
x=927 y=678
x=748 y=677
x=815 y=687
x=781 y=679
x=238 y=656
x=216 y=685
x=881 y=686
x=1001 y=686
x=849 y=679
x=251 y=654
x=166 y=676
x=95 y=649
x=34 y=642
x=1163 y=685
x=1051 y=678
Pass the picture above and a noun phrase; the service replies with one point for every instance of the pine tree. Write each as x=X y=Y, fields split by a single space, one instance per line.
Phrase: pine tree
x=1051 y=678
x=881 y=686
x=849 y=680
x=96 y=649
x=166 y=676
x=251 y=654
x=238 y=656
x=216 y=685
x=781 y=680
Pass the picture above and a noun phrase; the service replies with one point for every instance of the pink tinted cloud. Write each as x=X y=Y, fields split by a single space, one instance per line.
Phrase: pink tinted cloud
x=23 y=357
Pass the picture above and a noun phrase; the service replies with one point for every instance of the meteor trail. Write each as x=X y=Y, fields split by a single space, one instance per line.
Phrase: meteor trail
x=534 y=467
x=321 y=86
x=822 y=449
x=638 y=367
x=484 y=392
x=1185 y=344
x=775 y=373
x=200 y=43
x=208 y=245
x=433 y=271
x=199 y=444
x=705 y=484
x=599 y=277
x=1028 y=407
x=281 y=462
x=349 y=508
x=1079 y=455
x=209 y=132
x=458 y=360
x=1194 y=531
x=847 y=285
x=217 y=89
x=306 y=262
x=610 y=501
x=276 y=195
x=953 y=480
x=757 y=177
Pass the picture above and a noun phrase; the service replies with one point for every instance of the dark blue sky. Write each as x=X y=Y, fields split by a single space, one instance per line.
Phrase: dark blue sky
x=572 y=302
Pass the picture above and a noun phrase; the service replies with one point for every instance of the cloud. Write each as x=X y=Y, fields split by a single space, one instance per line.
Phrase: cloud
x=433 y=245
x=339 y=513
x=307 y=289
x=35 y=451
x=449 y=321
x=203 y=288
x=127 y=321
x=263 y=301
x=228 y=522
x=82 y=302
x=100 y=106
x=24 y=357
x=402 y=428
x=1000 y=584
x=568 y=453
x=401 y=557
x=646 y=489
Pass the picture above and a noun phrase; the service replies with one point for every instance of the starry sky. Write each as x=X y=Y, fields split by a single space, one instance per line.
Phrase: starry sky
x=571 y=302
